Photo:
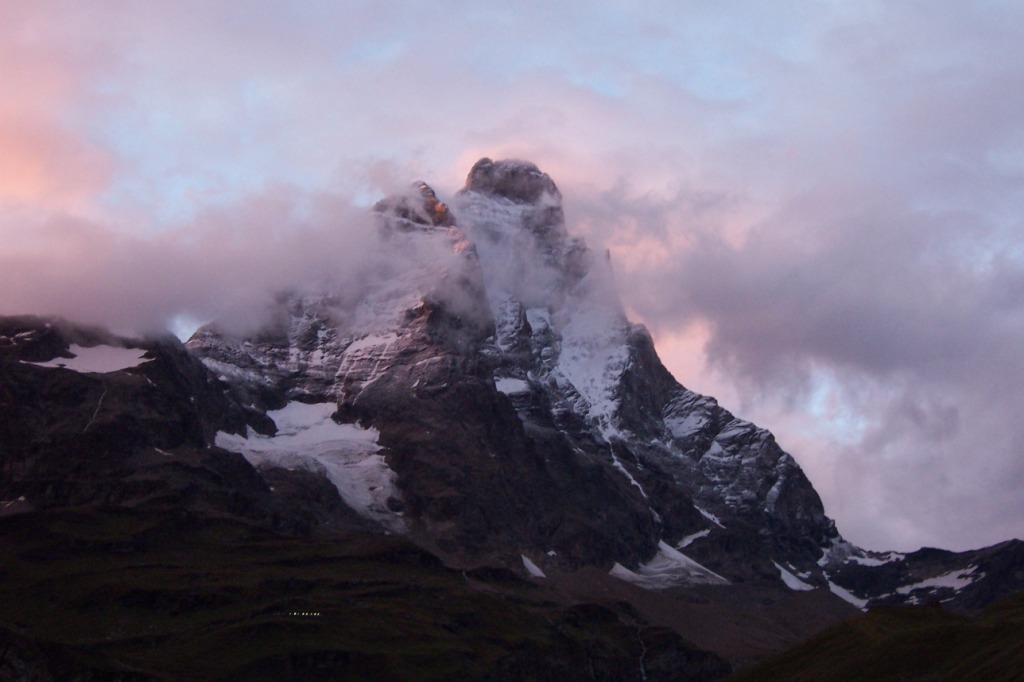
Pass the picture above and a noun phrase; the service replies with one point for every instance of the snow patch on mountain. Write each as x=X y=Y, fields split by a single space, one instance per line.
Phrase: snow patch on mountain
x=593 y=359
x=954 y=580
x=792 y=582
x=532 y=568
x=668 y=568
x=688 y=424
x=617 y=463
x=98 y=359
x=690 y=539
x=510 y=386
x=709 y=516
x=347 y=454
x=847 y=596
x=876 y=559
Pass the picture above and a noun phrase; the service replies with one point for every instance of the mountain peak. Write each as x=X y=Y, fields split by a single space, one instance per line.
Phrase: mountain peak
x=519 y=181
x=418 y=205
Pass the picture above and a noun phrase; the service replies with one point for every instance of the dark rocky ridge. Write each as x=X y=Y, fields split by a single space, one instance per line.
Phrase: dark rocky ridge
x=138 y=437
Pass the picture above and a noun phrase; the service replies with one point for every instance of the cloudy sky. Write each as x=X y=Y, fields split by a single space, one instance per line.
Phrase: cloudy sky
x=816 y=207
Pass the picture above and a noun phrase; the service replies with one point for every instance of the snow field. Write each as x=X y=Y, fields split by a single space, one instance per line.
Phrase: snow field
x=98 y=359
x=307 y=438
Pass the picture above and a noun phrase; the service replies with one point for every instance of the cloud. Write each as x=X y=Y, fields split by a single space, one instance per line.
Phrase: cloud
x=225 y=264
x=45 y=161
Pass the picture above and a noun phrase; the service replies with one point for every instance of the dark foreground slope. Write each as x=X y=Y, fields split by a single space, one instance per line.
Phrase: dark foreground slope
x=120 y=594
x=909 y=643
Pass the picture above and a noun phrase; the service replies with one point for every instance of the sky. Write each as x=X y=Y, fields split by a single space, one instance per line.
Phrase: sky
x=815 y=206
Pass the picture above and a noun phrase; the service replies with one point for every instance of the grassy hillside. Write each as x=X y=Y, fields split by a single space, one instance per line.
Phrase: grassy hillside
x=122 y=595
x=908 y=643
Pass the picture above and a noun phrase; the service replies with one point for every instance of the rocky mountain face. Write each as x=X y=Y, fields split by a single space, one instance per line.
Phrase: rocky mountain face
x=523 y=418
x=480 y=394
x=518 y=411
x=93 y=419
